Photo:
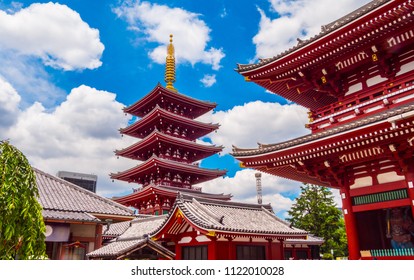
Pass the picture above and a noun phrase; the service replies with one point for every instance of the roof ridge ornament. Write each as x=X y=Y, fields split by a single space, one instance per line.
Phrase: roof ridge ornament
x=170 y=66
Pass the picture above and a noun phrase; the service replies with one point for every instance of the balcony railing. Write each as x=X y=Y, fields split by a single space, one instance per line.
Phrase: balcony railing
x=406 y=253
x=361 y=104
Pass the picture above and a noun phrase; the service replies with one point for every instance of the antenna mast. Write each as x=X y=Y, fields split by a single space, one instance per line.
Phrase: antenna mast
x=259 y=187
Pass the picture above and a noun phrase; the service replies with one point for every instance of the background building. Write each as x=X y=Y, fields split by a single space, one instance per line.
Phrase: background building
x=86 y=181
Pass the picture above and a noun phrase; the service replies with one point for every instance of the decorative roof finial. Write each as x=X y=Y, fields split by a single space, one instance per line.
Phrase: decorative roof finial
x=170 y=66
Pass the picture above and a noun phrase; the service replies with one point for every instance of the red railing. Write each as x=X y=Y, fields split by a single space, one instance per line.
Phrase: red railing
x=362 y=104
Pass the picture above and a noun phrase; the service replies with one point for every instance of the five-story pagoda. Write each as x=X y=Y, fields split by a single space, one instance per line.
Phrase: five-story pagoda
x=168 y=149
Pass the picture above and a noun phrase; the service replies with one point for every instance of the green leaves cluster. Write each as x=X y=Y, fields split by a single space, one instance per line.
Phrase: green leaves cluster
x=21 y=223
x=316 y=212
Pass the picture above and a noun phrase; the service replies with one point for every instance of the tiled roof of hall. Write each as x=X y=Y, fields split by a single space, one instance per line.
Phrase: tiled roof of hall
x=136 y=235
x=325 y=30
x=234 y=218
x=62 y=200
x=267 y=148
x=113 y=230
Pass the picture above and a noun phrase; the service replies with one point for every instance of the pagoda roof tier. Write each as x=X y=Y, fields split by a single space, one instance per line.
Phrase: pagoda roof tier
x=318 y=71
x=164 y=97
x=384 y=137
x=157 y=141
x=151 y=191
x=160 y=118
x=156 y=165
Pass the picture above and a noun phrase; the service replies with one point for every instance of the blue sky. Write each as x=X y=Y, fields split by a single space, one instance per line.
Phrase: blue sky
x=68 y=68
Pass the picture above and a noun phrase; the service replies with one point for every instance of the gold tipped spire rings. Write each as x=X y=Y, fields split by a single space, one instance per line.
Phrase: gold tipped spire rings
x=170 y=66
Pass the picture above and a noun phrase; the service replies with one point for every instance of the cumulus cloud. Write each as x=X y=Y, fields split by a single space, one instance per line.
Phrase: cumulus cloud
x=296 y=19
x=277 y=191
x=157 y=22
x=30 y=79
x=79 y=135
x=208 y=80
x=280 y=193
x=263 y=122
x=9 y=102
x=54 y=33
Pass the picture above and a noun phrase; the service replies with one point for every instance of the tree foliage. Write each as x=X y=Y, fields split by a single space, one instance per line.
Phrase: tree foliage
x=316 y=212
x=21 y=223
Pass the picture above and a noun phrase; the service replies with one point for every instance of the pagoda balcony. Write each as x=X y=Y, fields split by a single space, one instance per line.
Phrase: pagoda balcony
x=363 y=104
x=171 y=184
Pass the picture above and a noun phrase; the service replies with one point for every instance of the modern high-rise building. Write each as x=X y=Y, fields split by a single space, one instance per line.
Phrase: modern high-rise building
x=86 y=181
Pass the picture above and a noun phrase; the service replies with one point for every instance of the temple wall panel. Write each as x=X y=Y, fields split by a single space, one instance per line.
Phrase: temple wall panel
x=361 y=182
x=389 y=177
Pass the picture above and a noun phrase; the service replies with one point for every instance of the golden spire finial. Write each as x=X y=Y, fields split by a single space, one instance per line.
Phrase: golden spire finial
x=170 y=66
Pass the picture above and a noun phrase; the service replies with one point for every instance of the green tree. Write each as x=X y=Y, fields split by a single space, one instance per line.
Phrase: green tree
x=21 y=223
x=316 y=212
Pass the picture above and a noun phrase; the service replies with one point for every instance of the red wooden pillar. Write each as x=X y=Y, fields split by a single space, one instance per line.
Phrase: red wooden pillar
x=269 y=249
x=98 y=236
x=212 y=249
x=409 y=177
x=231 y=249
x=293 y=252
x=282 y=249
x=350 y=224
x=178 y=249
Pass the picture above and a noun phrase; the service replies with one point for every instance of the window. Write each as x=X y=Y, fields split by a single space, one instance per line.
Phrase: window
x=245 y=252
x=195 y=253
x=288 y=254
x=302 y=255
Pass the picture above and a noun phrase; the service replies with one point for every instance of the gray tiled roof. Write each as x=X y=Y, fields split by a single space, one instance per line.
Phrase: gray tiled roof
x=209 y=214
x=115 y=229
x=136 y=234
x=65 y=215
x=61 y=199
x=226 y=216
x=141 y=227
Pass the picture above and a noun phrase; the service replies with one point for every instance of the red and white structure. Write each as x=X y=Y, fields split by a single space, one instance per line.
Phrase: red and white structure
x=356 y=77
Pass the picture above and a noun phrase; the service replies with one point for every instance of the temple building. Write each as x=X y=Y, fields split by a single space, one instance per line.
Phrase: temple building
x=76 y=219
x=168 y=150
x=356 y=77
x=210 y=229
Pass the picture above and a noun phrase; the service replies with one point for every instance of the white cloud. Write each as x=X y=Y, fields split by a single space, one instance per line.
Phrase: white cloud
x=54 y=33
x=9 y=102
x=280 y=193
x=297 y=19
x=79 y=135
x=223 y=13
x=157 y=22
x=30 y=79
x=275 y=190
x=245 y=126
x=208 y=80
